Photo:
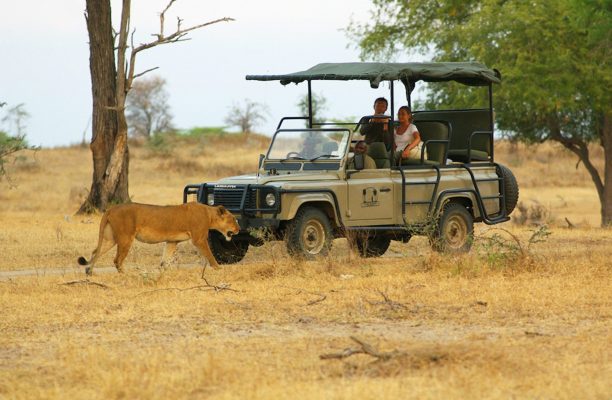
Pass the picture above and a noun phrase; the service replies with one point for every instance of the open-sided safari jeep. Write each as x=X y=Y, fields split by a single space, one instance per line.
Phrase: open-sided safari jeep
x=310 y=188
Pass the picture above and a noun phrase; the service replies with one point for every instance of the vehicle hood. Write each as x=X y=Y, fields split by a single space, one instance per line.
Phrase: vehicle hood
x=277 y=180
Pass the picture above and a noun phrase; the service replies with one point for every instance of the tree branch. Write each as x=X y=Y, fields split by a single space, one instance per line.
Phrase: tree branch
x=161 y=19
x=364 y=348
x=321 y=296
x=217 y=288
x=581 y=149
x=144 y=72
x=177 y=36
x=393 y=305
x=124 y=28
x=85 y=282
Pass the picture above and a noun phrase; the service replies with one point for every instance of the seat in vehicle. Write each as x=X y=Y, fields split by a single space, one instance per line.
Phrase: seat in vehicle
x=464 y=124
x=435 y=136
x=378 y=151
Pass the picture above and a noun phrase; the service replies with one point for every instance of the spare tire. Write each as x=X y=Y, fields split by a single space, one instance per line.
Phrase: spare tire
x=511 y=189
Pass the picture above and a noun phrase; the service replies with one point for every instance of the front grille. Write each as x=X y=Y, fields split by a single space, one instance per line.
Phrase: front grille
x=231 y=198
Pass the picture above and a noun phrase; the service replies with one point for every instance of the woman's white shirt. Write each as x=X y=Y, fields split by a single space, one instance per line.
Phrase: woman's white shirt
x=403 y=140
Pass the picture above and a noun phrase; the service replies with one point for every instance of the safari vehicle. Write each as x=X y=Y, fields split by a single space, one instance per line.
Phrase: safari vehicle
x=308 y=192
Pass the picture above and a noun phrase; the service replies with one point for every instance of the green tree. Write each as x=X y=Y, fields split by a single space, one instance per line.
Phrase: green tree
x=14 y=139
x=14 y=120
x=10 y=145
x=554 y=57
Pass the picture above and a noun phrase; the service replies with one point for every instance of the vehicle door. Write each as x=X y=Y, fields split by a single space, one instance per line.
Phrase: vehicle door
x=370 y=197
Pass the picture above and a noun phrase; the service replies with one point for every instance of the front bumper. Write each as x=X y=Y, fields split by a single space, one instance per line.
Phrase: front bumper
x=246 y=201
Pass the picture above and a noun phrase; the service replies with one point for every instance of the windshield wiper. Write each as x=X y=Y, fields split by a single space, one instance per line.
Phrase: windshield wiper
x=323 y=155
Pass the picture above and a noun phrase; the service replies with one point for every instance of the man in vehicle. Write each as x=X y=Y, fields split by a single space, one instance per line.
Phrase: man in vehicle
x=368 y=162
x=377 y=129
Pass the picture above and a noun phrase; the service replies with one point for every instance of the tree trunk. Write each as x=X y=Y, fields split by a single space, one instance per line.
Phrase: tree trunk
x=108 y=142
x=606 y=205
x=581 y=149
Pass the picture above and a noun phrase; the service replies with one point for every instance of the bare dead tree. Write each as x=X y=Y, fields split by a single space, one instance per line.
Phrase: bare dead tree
x=148 y=111
x=112 y=75
x=246 y=116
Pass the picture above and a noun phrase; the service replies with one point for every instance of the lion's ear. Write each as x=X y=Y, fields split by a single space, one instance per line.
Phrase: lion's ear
x=221 y=210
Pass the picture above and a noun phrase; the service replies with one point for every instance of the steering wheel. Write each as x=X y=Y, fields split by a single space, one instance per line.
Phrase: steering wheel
x=293 y=154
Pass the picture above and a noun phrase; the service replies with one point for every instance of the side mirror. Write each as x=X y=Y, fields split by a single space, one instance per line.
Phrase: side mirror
x=359 y=161
x=261 y=160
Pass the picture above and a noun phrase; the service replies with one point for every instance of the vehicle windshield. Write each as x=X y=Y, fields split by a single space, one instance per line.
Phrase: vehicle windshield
x=308 y=144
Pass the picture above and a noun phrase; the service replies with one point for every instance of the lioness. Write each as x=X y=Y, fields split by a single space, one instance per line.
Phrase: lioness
x=122 y=224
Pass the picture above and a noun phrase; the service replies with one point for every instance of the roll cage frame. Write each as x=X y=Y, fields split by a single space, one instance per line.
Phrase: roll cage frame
x=472 y=74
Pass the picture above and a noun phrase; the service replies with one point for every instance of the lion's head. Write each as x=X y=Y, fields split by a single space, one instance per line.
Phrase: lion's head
x=225 y=222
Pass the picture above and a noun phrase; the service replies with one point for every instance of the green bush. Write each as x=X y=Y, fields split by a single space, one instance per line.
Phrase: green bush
x=161 y=145
x=7 y=141
x=200 y=131
x=10 y=145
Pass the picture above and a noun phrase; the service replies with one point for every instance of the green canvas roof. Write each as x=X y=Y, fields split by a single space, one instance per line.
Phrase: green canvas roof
x=468 y=73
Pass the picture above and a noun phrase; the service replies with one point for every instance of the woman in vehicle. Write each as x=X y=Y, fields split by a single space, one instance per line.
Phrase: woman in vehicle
x=406 y=138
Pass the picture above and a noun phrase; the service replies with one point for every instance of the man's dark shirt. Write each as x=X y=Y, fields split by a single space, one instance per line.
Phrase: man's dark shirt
x=374 y=132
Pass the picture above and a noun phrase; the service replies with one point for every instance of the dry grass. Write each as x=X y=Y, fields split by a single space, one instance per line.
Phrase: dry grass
x=491 y=324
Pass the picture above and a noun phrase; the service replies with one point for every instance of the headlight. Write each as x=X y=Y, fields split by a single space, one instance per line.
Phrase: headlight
x=211 y=199
x=270 y=199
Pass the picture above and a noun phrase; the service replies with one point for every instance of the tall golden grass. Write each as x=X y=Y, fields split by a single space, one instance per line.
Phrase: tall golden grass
x=496 y=323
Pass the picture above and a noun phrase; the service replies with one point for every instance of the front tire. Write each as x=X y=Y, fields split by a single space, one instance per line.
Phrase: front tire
x=309 y=234
x=454 y=232
x=226 y=252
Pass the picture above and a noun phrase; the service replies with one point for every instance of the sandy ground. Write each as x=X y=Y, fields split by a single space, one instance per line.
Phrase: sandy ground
x=524 y=320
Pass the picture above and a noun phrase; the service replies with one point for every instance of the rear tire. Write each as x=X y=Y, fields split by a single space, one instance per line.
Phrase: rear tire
x=226 y=252
x=372 y=245
x=454 y=232
x=309 y=234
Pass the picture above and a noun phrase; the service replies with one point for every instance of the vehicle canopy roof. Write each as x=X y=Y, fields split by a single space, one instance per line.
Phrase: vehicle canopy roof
x=467 y=73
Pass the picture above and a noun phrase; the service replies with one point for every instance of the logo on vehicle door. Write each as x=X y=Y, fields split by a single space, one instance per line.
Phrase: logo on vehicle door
x=370 y=197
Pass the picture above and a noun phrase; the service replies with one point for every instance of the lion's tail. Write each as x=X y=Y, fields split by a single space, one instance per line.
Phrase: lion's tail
x=82 y=260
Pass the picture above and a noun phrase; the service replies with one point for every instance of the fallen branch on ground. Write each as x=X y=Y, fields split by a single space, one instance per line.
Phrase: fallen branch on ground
x=394 y=305
x=85 y=282
x=533 y=333
x=220 y=287
x=321 y=296
x=217 y=288
x=364 y=348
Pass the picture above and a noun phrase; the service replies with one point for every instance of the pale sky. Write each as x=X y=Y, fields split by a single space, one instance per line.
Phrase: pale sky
x=45 y=59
